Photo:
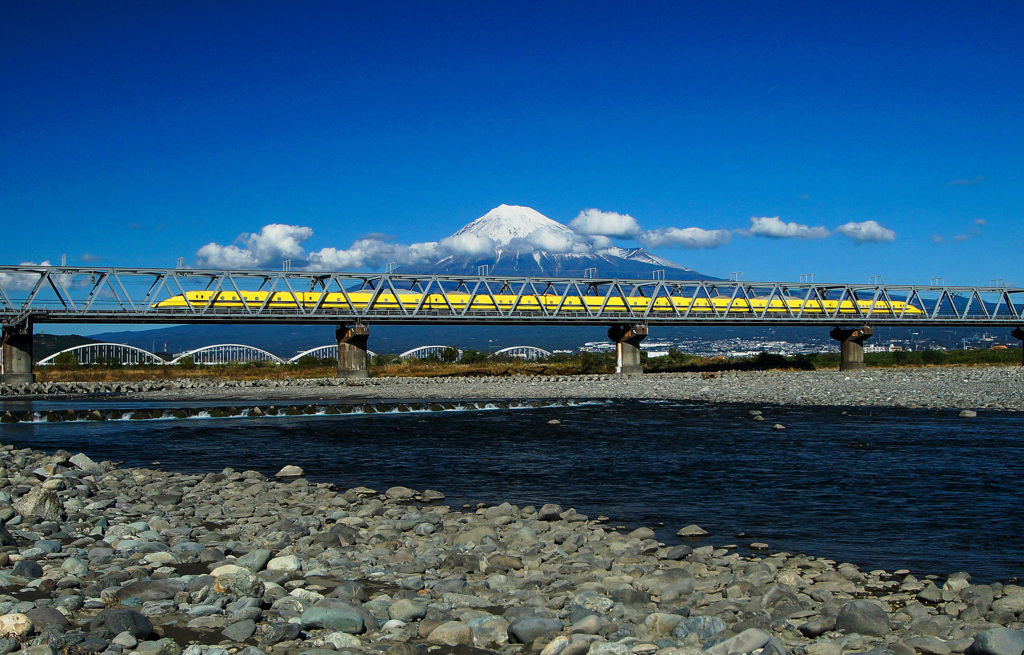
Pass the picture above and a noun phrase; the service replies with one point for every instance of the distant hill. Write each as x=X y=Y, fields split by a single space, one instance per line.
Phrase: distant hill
x=44 y=345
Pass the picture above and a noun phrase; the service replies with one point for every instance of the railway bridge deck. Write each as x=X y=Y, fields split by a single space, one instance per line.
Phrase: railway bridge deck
x=355 y=301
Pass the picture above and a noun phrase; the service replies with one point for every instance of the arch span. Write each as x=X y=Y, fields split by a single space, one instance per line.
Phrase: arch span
x=330 y=351
x=529 y=353
x=90 y=353
x=224 y=353
x=423 y=352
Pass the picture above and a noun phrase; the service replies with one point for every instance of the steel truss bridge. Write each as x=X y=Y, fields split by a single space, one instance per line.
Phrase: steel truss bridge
x=50 y=294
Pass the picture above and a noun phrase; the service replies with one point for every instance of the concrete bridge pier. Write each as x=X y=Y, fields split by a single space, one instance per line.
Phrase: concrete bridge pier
x=17 y=354
x=353 y=361
x=851 y=347
x=627 y=340
x=1019 y=335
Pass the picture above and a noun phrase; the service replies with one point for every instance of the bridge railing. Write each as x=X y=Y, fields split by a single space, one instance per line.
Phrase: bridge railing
x=129 y=295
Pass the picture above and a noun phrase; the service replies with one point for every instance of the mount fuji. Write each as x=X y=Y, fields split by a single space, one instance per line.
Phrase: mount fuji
x=520 y=241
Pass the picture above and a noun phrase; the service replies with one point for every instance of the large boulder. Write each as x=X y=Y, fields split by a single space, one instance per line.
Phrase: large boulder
x=528 y=628
x=40 y=503
x=998 y=641
x=117 y=621
x=146 y=590
x=745 y=642
x=863 y=617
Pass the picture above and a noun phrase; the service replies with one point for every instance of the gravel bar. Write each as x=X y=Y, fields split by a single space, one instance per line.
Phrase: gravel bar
x=971 y=388
x=124 y=561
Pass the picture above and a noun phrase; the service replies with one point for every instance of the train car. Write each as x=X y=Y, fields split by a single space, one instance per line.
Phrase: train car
x=527 y=303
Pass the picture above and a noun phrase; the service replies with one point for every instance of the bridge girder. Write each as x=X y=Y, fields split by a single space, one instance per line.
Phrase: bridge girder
x=129 y=295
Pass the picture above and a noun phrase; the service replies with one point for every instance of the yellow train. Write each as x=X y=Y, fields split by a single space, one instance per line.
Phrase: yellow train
x=358 y=300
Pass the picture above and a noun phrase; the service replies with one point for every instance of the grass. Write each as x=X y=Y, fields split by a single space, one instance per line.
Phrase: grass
x=558 y=364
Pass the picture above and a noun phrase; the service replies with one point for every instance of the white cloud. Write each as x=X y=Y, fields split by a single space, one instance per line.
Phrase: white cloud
x=687 y=237
x=774 y=228
x=609 y=224
x=24 y=281
x=467 y=244
x=274 y=243
x=557 y=241
x=214 y=255
x=373 y=252
x=866 y=232
x=421 y=253
x=332 y=259
x=277 y=241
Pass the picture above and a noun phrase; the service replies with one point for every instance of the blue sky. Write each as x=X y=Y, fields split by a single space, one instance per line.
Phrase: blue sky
x=135 y=133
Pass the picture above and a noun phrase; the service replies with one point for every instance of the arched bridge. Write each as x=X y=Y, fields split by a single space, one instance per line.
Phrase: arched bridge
x=353 y=301
x=96 y=353
x=529 y=353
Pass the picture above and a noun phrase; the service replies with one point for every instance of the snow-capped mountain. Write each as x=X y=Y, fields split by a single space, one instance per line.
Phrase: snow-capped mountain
x=506 y=223
x=520 y=241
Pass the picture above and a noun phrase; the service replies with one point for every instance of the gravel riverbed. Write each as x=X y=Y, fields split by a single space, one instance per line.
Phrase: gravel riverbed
x=96 y=558
x=989 y=388
x=102 y=559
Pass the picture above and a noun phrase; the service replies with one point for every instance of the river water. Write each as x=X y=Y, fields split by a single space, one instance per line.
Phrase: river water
x=882 y=488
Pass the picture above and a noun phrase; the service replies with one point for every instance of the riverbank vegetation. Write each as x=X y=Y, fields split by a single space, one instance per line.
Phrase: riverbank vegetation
x=474 y=363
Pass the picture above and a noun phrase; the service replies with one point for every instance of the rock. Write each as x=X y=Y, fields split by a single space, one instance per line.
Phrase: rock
x=290 y=471
x=238 y=583
x=1011 y=603
x=704 y=627
x=122 y=620
x=286 y=564
x=678 y=552
x=332 y=618
x=526 y=629
x=146 y=590
x=930 y=594
x=125 y=640
x=745 y=642
x=997 y=641
x=44 y=617
x=240 y=631
x=165 y=646
x=817 y=626
x=968 y=413
x=84 y=463
x=477 y=535
x=27 y=568
x=407 y=610
x=692 y=530
x=863 y=617
x=15 y=625
x=275 y=633
x=661 y=624
x=342 y=640
x=451 y=633
x=823 y=647
x=255 y=560
x=400 y=493
x=40 y=503
x=550 y=512
x=929 y=645
x=588 y=625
